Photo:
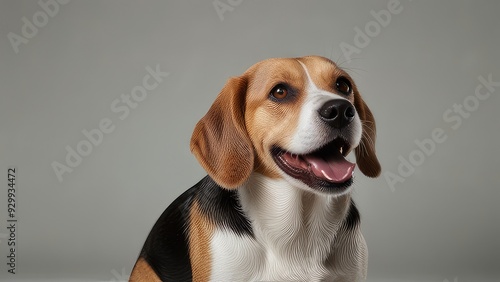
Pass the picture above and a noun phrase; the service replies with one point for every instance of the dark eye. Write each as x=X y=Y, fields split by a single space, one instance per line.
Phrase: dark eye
x=279 y=92
x=343 y=85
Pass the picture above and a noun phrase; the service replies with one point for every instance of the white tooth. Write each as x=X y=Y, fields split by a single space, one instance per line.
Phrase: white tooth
x=341 y=149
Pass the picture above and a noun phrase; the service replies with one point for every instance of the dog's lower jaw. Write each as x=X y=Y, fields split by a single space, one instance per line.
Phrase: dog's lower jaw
x=327 y=190
x=313 y=171
x=294 y=228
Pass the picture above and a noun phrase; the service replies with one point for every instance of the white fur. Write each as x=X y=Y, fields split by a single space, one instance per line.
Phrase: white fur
x=235 y=257
x=294 y=236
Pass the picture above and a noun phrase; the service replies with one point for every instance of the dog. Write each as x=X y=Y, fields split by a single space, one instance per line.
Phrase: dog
x=276 y=203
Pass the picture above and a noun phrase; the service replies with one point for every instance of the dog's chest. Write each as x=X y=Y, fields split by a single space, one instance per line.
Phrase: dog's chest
x=242 y=258
x=292 y=236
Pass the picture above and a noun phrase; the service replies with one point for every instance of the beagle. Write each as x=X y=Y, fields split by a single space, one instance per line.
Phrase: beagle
x=276 y=204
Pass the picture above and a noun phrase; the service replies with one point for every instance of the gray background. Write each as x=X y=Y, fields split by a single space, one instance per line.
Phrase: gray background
x=441 y=223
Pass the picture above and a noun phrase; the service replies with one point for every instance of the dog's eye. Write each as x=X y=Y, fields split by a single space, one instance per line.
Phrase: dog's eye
x=279 y=91
x=343 y=85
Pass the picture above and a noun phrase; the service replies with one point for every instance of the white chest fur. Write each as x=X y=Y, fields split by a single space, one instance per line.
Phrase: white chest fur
x=293 y=238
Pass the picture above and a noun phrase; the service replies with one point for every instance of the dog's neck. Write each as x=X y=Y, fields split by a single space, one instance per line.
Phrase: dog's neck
x=288 y=219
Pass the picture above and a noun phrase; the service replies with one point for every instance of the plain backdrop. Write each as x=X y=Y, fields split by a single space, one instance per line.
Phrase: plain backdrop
x=433 y=214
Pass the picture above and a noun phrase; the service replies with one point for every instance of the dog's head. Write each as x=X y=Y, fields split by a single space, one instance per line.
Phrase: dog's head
x=294 y=118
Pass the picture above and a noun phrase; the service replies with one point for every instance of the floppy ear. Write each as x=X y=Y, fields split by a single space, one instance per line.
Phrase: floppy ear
x=365 y=152
x=220 y=140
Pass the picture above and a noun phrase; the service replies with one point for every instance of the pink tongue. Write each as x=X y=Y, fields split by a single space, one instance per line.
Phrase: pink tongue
x=334 y=168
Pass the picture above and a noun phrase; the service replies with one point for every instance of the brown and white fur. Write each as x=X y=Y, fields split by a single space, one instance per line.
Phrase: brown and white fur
x=264 y=213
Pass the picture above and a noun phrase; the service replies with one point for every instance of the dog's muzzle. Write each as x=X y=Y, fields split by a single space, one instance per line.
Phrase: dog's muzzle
x=326 y=168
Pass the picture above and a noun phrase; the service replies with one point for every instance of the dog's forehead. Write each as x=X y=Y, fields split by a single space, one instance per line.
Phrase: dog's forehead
x=276 y=67
x=321 y=70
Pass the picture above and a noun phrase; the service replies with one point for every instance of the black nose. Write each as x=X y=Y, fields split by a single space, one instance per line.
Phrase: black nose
x=337 y=113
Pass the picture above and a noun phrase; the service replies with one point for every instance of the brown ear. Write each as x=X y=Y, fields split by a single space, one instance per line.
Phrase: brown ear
x=365 y=152
x=220 y=141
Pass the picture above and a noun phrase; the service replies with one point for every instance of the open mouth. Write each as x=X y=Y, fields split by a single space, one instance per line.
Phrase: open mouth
x=324 y=169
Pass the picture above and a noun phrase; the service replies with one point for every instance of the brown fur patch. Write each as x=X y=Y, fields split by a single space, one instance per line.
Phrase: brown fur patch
x=143 y=272
x=365 y=153
x=200 y=235
x=220 y=141
x=272 y=123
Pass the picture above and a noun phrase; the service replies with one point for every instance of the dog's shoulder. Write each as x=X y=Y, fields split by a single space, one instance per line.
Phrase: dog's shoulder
x=166 y=249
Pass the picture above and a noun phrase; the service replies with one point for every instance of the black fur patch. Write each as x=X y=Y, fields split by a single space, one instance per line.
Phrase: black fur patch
x=352 y=218
x=222 y=206
x=167 y=247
